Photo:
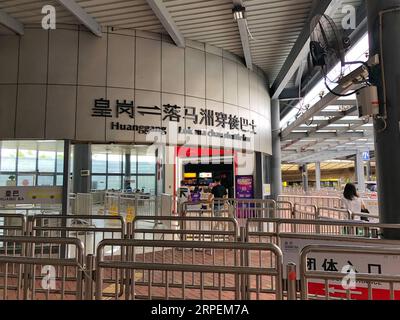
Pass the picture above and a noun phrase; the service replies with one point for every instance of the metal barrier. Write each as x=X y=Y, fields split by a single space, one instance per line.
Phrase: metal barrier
x=245 y=208
x=366 y=216
x=186 y=228
x=334 y=213
x=319 y=201
x=34 y=270
x=31 y=211
x=264 y=230
x=90 y=230
x=329 y=290
x=230 y=271
x=284 y=210
x=12 y=224
x=305 y=212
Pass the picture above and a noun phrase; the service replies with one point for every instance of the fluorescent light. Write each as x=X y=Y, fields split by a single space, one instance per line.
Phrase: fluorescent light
x=238 y=13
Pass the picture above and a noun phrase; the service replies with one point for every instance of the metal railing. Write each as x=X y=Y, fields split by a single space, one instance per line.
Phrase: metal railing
x=319 y=201
x=12 y=224
x=33 y=269
x=327 y=282
x=90 y=230
x=185 y=228
x=183 y=270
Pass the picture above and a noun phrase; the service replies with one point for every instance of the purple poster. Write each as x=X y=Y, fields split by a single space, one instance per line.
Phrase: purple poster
x=244 y=187
x=244 y=190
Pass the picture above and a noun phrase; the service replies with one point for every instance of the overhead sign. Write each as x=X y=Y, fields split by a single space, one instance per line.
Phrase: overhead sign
x=361 y=263
x=175 y=114
x=366 y=156
x=30 y=195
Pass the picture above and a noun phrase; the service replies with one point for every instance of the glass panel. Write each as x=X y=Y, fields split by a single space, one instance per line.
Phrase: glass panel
x=5 y=180
x=26 y=181
x=99 y=182
x=147 y=164
x=114 y=183
x=60 y=180
x=46 y=161
x=47 y=181
x=99 y=162
x=8 y=159
x=114 y=163
x=147 y=184
x=60 y=162
x=133 y=164
x=27 y=160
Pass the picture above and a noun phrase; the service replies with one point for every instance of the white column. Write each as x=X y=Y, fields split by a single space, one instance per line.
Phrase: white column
x=317 y=176
x=360 y=172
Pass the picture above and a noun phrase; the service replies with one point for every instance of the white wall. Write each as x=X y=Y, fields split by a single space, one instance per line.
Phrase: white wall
x=50 y=79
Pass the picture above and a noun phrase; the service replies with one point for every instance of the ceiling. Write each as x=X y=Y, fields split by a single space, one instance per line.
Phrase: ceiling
x=274 y=25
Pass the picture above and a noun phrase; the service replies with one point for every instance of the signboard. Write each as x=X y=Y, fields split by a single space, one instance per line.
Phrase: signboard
x=266 y=190
x=244 y=187
x=205 y=175
x=366 y=156
x=328 y=262
x=190 y=175
x=30 y=195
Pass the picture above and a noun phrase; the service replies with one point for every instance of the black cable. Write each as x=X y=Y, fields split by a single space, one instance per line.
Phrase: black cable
x=344 y=95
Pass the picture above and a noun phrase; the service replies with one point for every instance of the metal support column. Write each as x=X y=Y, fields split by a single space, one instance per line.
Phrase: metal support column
x=128 y=171
x=276 y=167
x=360 y=178
x=304 y=176
x=82 y=167
x=318 y=176
x=383 y=27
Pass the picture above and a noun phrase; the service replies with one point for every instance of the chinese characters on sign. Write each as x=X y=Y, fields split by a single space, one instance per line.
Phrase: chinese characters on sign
x=173 y=113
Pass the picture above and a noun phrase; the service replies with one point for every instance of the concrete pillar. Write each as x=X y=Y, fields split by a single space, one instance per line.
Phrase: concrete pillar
x=66 y=178
x=387 y=135
x=368 y=171
x=276 y=168
x=82 y=166
x=304 y=176
x=359 y=171
x=317 y=176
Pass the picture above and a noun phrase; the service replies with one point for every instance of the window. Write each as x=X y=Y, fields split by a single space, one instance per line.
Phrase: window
x=99 y=163
x=108 y=169
x=47 y=161
x=8 y=160
x=31 y=163
x=45 y=181
x=27 y=160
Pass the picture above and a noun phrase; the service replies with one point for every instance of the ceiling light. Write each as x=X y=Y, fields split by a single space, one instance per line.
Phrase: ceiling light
x=239 y=12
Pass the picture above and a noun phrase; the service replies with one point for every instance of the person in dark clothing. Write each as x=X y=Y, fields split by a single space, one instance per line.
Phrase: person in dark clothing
x=218 y=192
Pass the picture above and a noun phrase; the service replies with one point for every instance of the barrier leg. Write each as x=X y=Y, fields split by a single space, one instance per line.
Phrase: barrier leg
x=291 y=280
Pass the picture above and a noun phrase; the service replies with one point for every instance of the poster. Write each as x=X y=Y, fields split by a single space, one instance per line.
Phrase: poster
x=244 y=190
x=244 y=187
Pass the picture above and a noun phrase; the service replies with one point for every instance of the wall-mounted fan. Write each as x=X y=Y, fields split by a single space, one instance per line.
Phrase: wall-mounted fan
x=328 y=47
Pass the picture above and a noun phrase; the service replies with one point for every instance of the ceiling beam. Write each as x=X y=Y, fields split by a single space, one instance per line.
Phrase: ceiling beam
x=162 y=13
x=300 y=49
x=82 y=16
x=11 y=23
x=324 y=135
x=244 y=37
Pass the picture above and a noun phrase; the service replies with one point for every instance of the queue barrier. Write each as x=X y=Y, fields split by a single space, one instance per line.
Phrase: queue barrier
x=175 y=273
x=33 y=270
x=194 y=228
